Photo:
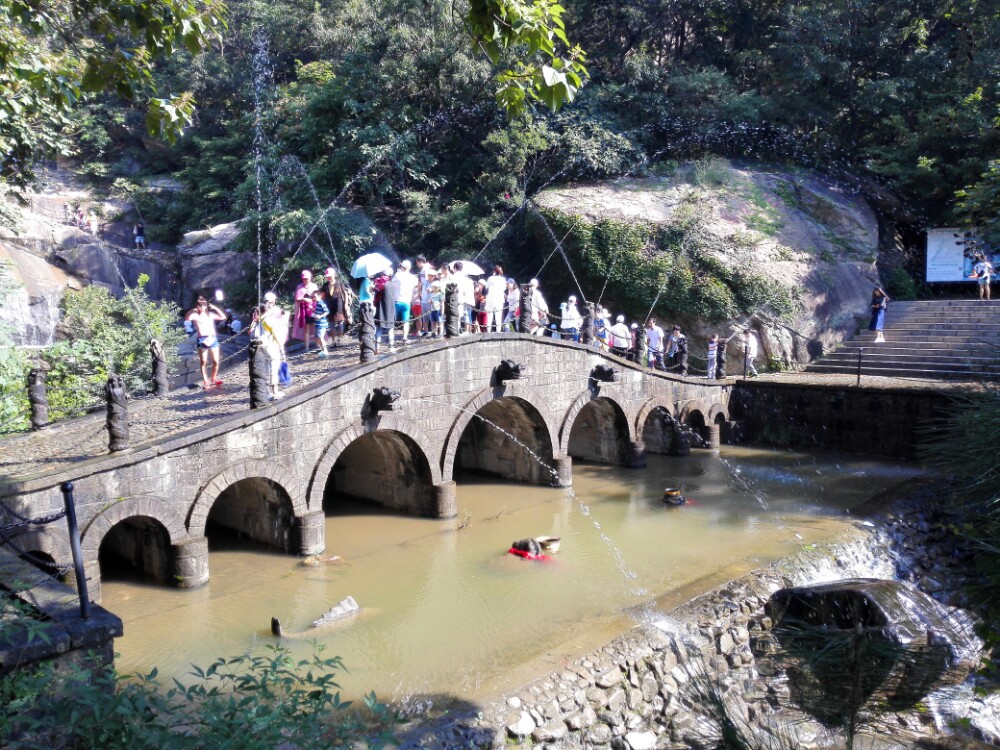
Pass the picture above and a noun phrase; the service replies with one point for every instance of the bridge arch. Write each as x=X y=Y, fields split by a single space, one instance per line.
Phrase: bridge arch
x=655 y=432
x=272 y=471
x=510 y=405
x=163 y=513
x=596 y=428
x=388 y=437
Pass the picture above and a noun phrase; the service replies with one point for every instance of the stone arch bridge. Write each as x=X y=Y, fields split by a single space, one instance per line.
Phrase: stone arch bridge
x=272 y=473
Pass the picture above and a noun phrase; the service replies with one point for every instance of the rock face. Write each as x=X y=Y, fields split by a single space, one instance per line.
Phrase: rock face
x=814 y=238
x=206 y=258
x=32 y=311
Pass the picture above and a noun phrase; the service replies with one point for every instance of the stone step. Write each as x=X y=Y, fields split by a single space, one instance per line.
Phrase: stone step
x=956 y=326
x=934 y=304
x=897 y=372
x=919 y=338
x=910 y=366
x=904 y=356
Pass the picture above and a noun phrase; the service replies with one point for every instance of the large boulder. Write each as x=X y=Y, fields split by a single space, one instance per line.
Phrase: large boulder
x=207 y=259
x=814 y=239
x=31 y=311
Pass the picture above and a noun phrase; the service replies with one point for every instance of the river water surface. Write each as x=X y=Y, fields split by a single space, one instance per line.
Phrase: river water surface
x=449 y=613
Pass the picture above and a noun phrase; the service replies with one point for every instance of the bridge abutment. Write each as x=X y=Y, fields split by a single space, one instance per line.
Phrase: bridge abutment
x=563 y=472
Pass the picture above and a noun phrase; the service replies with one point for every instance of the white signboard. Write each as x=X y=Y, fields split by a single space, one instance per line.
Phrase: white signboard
x=946 y=259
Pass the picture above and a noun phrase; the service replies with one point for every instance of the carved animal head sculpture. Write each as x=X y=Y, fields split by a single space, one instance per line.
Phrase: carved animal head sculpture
x=383 y=399
x=508 y=369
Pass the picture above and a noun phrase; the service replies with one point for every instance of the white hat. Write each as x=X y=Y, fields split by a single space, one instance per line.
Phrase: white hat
x=620 y=319
x=635 y=325
x=405 y=265
x=307 y=274
x=572 y=298
x=331 y=271
x=533 y=282
x=270 y=297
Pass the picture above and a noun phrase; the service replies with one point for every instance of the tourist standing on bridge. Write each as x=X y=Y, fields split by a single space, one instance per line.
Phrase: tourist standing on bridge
x=406 y=287
x=654 y=337
x=749 y=353
x=302 y=323
x=321 y=314
x=466 y=295
x=203 y=317
x=385 y=311
x=336 y=300
x=621 y=337
x=713 y=355
x=496 y=294
x=880 y=301
x=571 y=320
x=270 y=327
x=513 y=299
x=539 y=310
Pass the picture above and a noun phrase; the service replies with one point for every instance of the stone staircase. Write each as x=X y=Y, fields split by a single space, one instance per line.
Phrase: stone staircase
x=938 y=339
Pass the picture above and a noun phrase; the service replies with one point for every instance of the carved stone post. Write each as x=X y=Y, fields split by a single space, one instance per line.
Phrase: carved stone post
x=117 y=400
x=366 y=331
x=720 y=362
x=38 y=398
x=641 y=347
x=260 y=371
x=527 y=307
x=587 y=327
x=161 y=385
x=452 y=311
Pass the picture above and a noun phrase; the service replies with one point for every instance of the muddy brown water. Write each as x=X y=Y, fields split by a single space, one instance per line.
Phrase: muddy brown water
x=448 y=613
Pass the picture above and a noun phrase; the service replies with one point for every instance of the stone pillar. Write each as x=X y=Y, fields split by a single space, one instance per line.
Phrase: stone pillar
x=445 y=500
x=117 y=419
x=641 y=347
x=38 y=398
x=312 y=533
x=587 y=327
x=712 y=434
x=453 y=312
x=161 y=385
x=260 y=374
x=366 y=331
x=564 y=472
x=191 y=563
x=526 y=307
x=635 y=455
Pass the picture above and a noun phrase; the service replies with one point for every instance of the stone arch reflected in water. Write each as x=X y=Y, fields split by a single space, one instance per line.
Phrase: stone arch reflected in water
x=386 y=467
x=600 y=434
x=254 y=507
x=508 y=438
x=137 y=546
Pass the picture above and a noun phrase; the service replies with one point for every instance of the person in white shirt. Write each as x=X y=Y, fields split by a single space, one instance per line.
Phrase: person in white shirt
x=749 y=353
x=406 y=285
x=982 y=271
x=621 y=337
x=539 y=310
x=571 y=319
x=496 y=288
x=466 y=295
x=513 y=303
x=654 y=339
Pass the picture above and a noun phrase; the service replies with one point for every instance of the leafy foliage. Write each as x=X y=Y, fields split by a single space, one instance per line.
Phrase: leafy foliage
x=105 y=336
x=54 y=54
x=257 y=700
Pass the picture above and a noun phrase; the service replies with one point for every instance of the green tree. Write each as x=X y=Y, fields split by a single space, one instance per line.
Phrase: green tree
x=54 y=53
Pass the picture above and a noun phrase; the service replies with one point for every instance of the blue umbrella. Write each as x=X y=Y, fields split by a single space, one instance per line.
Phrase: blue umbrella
x=370 y=264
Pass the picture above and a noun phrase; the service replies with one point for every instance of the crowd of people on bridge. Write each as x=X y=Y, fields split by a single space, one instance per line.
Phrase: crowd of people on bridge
x=409 y=302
